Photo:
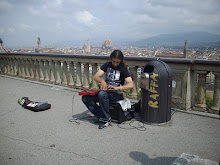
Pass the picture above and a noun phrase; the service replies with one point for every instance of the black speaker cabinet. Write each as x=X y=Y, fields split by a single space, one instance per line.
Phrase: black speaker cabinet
x=116 y=112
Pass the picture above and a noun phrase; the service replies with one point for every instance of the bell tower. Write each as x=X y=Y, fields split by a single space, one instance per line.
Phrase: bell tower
x=185 y=49
x=39 y=43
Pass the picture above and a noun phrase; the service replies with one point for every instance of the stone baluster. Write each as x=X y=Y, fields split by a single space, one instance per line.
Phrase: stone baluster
x=1 y=62
x=10 y=66
x=13 y=67
x=86 y=75
x=0 y=65
x=37 y=70
x=78 y=75
x=58 y=72
x=7 y=66
x=52 y=71
x=19 y=68
x=24 y=63
x=32 y=69
x=46 y=71
x=3 y=65
x=133 y=70
x=42 y=70
x=15 y=70
x=22 y=68
x=71 y=74
x=27 y=68
x=201 y=92
x=65 y=73
x=216 y=97
x=94 y=70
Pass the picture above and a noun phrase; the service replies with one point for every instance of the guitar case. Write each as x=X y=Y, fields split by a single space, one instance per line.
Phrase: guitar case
x=32 y=105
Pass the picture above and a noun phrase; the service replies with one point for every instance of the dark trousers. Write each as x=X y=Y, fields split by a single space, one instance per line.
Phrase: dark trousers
x=103 y=98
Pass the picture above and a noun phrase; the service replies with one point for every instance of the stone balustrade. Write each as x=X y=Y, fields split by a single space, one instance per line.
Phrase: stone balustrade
x=76 y=71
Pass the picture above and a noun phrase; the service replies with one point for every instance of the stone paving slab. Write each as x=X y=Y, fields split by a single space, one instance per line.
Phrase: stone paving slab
x=49 y=137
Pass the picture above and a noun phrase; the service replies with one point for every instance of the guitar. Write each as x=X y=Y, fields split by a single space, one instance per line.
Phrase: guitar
x=89 y=92
x=93 y=92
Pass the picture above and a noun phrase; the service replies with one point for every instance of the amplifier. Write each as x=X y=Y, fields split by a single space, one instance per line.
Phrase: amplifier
x=116 y=112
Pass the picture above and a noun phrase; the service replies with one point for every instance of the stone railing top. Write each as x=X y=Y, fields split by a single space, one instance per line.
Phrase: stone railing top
x=127 y=58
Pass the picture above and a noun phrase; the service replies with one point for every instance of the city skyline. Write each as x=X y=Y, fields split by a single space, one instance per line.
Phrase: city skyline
x=59 y=21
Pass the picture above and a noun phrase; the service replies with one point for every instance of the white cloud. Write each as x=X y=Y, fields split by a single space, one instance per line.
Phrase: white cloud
x=11 y=30
x=113 y=3
x=5 y=5
x=59 y=26
x=44 y=12
x=34 y=11
x=25 y=27
x=85 y=18
x=2 y=30
x=58 y=2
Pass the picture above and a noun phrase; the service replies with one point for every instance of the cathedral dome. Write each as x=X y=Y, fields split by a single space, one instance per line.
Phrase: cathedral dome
x=107 y=43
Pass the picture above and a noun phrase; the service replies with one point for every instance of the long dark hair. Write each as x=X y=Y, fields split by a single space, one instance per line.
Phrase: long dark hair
x=119 y=55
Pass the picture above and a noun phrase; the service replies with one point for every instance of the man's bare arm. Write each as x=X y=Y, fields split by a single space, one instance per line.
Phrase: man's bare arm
x=98 y=78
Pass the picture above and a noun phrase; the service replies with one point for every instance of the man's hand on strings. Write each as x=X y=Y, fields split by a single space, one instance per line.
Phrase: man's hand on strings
x=104 y=85
x=111 y=87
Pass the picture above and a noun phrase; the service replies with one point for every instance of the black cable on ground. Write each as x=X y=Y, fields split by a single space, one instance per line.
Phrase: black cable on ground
x=140 y=126
x=74 y=119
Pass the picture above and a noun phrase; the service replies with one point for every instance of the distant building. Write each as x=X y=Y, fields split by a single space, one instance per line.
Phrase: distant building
x=38 y=45
x=105 y=48
x=87 y=47
x=96 y=50
x=185 y=49
x=107 y=44
x=172 y=55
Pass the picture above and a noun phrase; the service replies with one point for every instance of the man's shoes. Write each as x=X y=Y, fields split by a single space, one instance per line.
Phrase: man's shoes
x=97 y=121
x=104 y=124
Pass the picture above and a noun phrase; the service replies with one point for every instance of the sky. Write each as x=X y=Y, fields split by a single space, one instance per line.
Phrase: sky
x=59 y=21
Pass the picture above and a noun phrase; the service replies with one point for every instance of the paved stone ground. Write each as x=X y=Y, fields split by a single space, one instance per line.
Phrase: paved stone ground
x=49 y=137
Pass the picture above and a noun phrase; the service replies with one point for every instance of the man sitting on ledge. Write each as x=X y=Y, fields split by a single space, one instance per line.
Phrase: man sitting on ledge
x=117 y=78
